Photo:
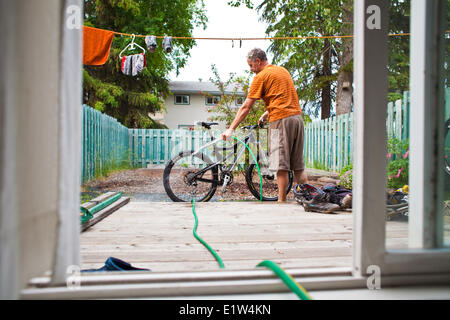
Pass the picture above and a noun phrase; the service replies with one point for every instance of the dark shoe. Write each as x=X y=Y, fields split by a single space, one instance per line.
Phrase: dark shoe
x=324 y=207
x=347 y=201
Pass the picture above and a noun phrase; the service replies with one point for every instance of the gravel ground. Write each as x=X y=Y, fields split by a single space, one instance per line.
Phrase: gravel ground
x=146 y=185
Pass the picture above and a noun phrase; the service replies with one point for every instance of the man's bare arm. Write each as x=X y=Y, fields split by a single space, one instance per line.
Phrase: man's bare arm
x=240 y=116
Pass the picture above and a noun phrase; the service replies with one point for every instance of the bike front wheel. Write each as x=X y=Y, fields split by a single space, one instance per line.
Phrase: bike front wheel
x=269 y=183
x=185 y=179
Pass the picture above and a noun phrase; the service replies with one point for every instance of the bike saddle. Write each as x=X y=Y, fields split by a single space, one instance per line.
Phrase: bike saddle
x=207 y=125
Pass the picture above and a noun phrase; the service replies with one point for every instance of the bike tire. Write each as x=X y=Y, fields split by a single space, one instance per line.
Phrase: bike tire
x=256 y=190
x=174 y=189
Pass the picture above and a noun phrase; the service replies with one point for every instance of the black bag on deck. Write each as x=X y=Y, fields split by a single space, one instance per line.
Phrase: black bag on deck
x=307 y=195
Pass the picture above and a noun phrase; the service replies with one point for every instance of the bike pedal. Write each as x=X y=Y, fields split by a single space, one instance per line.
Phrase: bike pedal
x=226 y=179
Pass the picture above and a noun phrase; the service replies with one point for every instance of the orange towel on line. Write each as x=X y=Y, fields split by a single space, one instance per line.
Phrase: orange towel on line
x=96 y=46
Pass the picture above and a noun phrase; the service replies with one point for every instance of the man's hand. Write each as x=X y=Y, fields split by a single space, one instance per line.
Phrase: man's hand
x=227 y=134
x=263 y=118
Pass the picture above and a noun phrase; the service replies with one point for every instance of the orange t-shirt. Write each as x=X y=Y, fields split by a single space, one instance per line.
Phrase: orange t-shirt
x=275 y=87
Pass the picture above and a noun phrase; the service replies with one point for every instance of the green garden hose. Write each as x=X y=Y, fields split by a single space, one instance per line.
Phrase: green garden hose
x=286 y=278
x=257 y=166
x=202 y=241
x=89 y=213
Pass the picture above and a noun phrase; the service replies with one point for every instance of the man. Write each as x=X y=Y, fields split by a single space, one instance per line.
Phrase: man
x=274 y=85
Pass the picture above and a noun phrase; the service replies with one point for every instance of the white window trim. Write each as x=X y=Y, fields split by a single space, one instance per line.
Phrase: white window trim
x=182 y=104
x=239 y=104
x=185 y=127
x=218 y=97
x=369 y=168
x=369 y=201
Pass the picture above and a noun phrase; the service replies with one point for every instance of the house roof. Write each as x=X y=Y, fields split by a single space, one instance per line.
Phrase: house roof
x=202 y=87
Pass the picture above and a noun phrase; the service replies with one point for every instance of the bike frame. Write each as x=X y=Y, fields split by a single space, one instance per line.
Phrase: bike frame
x=249 y=138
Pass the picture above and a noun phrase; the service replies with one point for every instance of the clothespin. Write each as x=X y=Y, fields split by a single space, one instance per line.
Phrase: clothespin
x=240 y=43
x=232 y=43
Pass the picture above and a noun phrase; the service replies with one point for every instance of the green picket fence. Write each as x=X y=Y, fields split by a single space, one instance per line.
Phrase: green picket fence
x=329 y=142
x=328 y=146
x=156 y=146
x=104 y=144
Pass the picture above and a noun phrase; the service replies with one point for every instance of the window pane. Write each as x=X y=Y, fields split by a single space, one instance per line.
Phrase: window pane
x=397 y=126
x=446 y=203
x=212 y=100
x=182 y=99
x=397 y=171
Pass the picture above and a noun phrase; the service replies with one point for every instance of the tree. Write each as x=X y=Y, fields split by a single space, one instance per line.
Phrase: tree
x=323 y=68
x=225 y=110
x=398 y=63
x=344 y=94
x=314 y=63
x=132 y=100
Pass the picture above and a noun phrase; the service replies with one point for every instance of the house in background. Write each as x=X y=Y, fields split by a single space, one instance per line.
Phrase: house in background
x=189 y=102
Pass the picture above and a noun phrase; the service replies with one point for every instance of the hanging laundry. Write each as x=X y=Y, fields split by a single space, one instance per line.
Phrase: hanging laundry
x=126 y=65
x=167 y=44
x=138 y=64
x=150 y=41
x=134 y=64
x=96 y=45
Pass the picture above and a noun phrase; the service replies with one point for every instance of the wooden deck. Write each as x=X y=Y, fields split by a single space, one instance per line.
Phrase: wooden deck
x=158 y=236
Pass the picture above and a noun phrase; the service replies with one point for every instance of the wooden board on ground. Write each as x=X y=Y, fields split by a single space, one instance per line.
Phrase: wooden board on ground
x=102 y=214
x=159 y=236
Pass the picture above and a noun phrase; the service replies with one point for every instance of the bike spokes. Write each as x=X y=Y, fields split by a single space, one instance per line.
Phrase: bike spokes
x=187 y=179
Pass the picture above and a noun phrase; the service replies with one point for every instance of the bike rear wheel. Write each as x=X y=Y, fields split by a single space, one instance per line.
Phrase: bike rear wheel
x=183 y=184
x=269 y=180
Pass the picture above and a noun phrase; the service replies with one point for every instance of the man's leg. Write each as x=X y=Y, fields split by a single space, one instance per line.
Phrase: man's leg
x=301 y=176
x=282 y=181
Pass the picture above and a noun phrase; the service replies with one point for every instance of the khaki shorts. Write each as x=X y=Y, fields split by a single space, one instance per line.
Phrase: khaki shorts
x=286 y=144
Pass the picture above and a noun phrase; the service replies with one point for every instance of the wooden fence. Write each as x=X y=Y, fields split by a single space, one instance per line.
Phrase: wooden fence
x=104 y=144
x=328 y=143
x=156 y=146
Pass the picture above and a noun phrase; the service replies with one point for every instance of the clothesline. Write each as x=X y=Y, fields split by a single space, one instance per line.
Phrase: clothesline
x=97 y=43
x=262 y=38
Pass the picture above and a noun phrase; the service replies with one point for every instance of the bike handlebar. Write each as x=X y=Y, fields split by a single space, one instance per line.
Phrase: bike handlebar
x=255 y=126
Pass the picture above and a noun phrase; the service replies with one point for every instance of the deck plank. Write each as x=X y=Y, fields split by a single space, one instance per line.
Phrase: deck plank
x=159 y=236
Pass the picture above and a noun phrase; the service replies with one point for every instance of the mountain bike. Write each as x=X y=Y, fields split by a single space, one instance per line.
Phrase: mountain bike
x=192 y=174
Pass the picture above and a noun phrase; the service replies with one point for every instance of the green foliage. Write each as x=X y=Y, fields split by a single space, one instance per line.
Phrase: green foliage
x=226 y=109
x=310 y=61
x=132 y=99
x=398 y=63
x=397 y=168
x=346 y=176
x=307 y=60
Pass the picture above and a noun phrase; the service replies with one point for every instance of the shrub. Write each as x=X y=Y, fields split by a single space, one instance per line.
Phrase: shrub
x=346 y=176
x=397 y=169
